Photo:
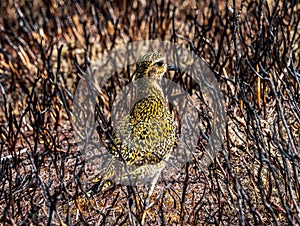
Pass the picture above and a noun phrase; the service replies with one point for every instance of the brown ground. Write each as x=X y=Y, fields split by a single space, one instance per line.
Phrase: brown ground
x=252 y=48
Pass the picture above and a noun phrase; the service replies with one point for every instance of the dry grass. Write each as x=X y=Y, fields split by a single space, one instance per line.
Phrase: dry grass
x=251 y=46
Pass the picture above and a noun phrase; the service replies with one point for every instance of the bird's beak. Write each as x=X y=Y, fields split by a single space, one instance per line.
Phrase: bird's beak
x=172 y=68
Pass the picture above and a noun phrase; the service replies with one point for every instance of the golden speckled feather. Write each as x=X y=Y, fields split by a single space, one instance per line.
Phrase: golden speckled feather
x=147 y=135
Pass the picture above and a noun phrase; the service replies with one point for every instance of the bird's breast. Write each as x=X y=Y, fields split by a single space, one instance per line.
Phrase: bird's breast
x=148 y=134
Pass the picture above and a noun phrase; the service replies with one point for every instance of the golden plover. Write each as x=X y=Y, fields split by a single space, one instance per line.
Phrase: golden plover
x=144 y=139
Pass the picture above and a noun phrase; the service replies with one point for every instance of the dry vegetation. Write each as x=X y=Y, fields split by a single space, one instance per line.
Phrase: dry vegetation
x=251 y=46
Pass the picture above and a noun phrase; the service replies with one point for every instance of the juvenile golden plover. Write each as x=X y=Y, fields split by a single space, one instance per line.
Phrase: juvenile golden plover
x=144 y=139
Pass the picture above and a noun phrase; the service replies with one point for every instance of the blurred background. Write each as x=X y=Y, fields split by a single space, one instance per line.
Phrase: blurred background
x=252 y=47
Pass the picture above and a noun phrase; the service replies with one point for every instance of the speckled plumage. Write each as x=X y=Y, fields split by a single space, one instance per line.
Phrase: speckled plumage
x=147 y=135
x=144 y=139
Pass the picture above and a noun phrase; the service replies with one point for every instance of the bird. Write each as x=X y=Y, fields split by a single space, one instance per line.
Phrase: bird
x=142 y=141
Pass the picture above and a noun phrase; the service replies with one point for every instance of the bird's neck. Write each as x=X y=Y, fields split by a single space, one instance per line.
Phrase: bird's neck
x=150 y=86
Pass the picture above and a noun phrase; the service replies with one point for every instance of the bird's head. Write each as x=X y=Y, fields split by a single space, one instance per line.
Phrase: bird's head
x=151 y=65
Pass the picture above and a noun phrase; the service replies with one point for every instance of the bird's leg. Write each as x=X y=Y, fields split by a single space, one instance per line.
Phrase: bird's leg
x=154 y=181
x=150 y=190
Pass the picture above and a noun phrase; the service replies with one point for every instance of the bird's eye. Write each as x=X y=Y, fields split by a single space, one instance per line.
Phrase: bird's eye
x=159 y=63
